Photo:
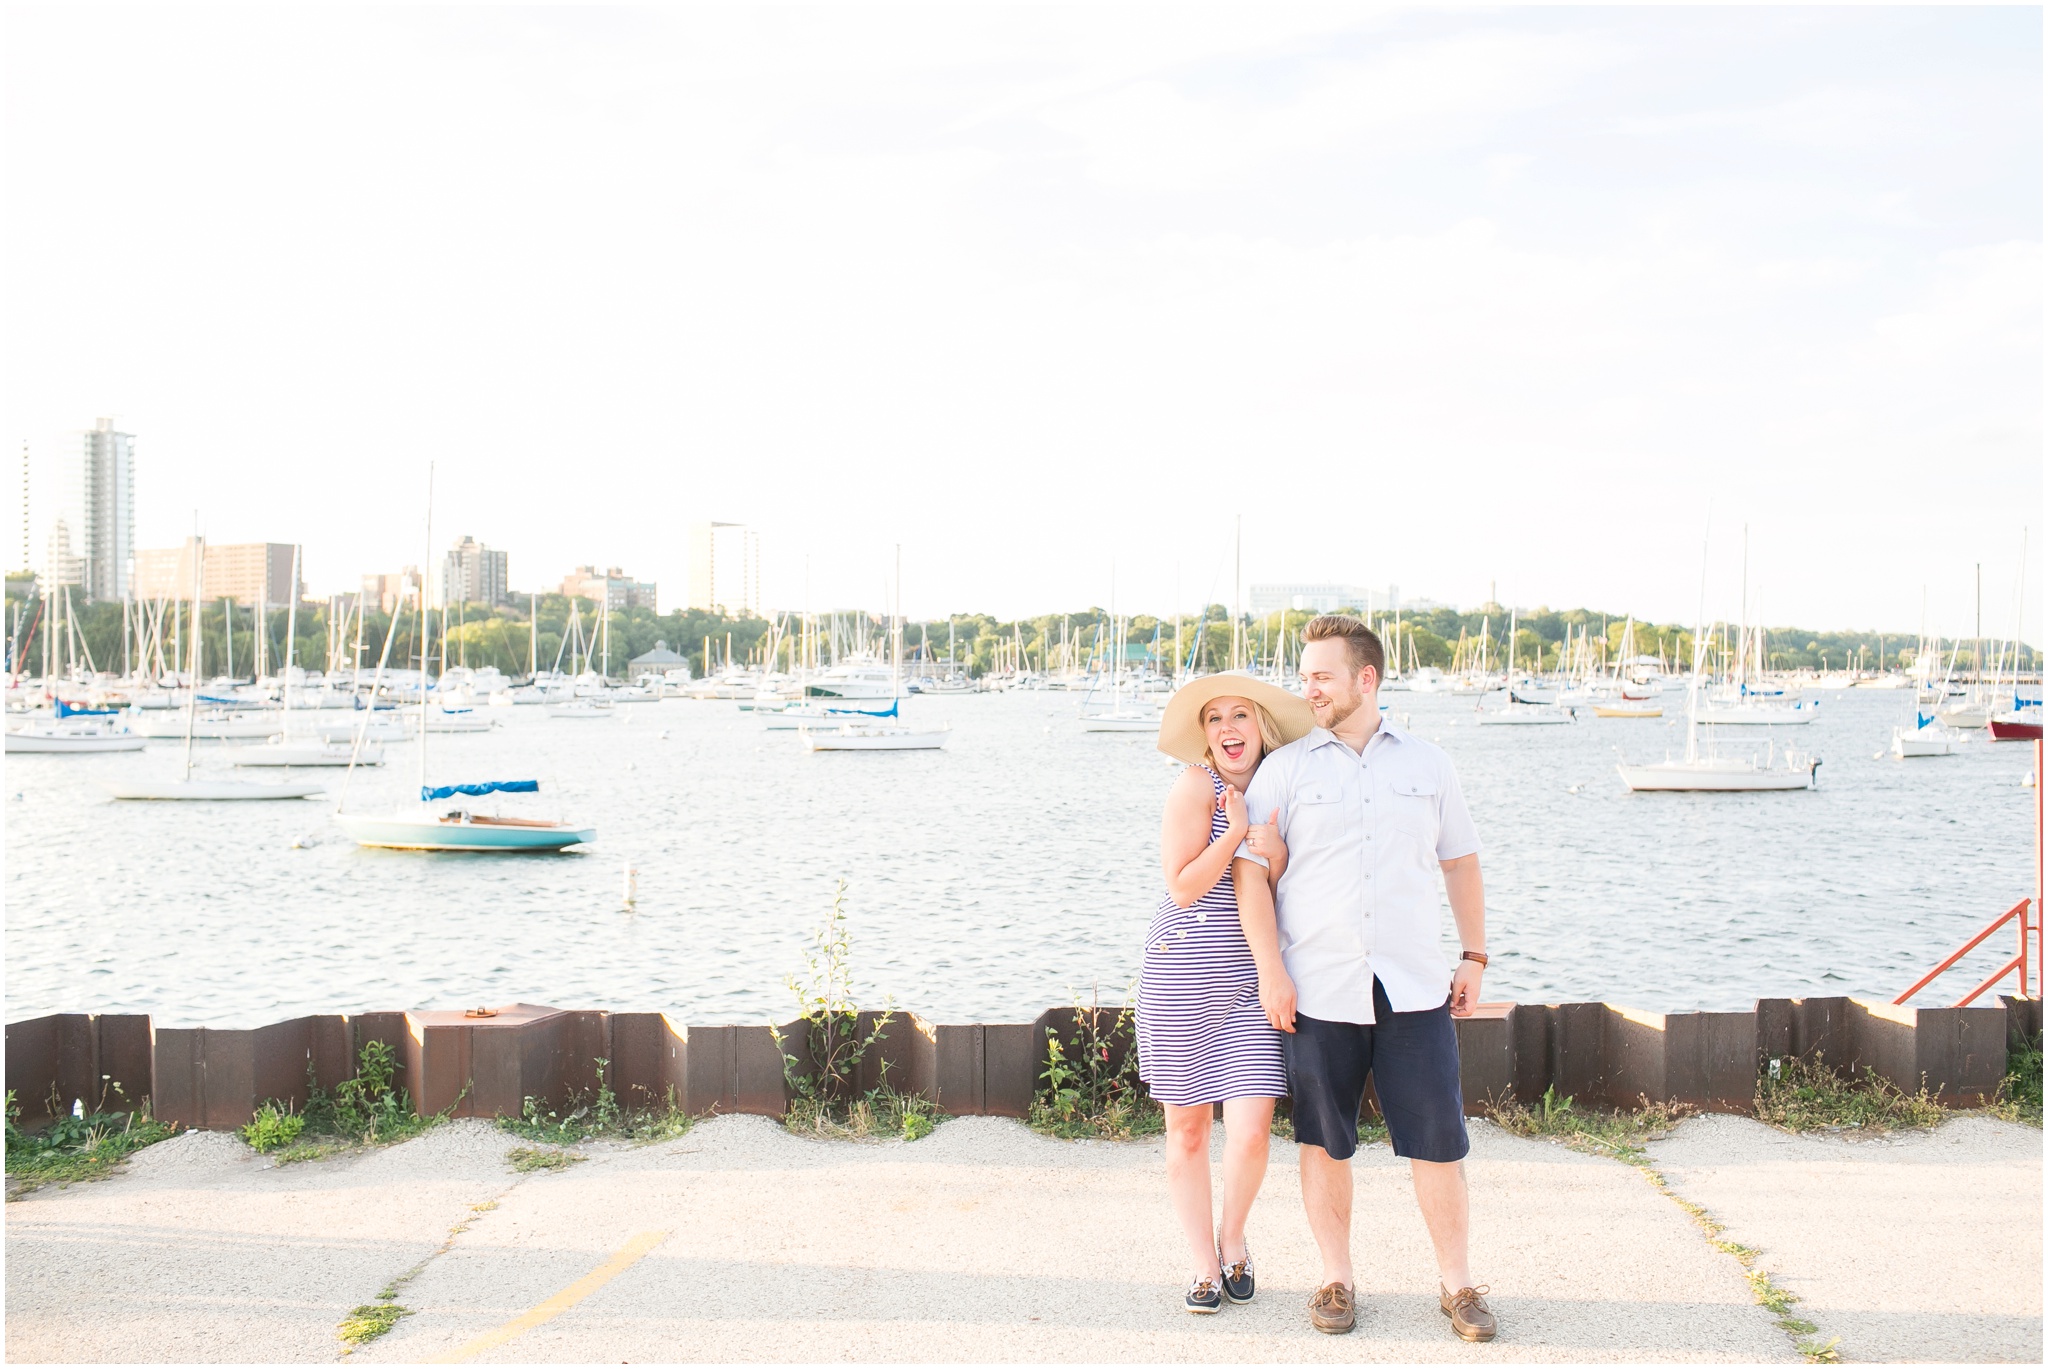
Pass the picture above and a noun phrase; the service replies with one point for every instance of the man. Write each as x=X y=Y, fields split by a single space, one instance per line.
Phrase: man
x=1365 y=810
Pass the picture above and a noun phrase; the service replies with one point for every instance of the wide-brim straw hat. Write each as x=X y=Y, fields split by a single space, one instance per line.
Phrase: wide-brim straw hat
x=1180 y=727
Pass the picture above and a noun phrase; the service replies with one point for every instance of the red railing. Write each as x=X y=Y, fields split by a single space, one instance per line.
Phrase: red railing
x=2019 y=962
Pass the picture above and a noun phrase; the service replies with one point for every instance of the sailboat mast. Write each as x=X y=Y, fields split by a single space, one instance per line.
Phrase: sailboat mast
x=291 y=627
x=192 y=694
x=427 y=561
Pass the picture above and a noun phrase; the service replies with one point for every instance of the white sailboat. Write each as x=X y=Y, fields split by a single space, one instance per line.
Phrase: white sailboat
x=459 y=828
x=188 y=788
x=1710 y=772
x=1521 y=710
x=881 y=732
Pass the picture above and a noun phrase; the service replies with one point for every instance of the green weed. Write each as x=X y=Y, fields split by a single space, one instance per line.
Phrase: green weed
x=2019 y=1093
x=826 y=1099
x=75 y=1148
x=272 y=1128
x=599 y=1119
x=1598 y=1131
x=1091 y=1089
x=1799 y=1093
x=537 y=1159
x=370 y=1321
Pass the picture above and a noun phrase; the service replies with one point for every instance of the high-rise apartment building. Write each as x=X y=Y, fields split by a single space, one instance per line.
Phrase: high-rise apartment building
x=250 y=573
x=90 y=539
x=1321 y=598
x=614 y=588
x=387 y=592
x=471 y=573
x=725 y=568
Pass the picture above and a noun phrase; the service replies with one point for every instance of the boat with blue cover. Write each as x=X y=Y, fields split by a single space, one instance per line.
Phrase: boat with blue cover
x=459 y=829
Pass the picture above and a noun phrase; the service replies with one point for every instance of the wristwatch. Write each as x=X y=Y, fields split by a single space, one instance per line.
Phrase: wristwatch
x=1479 y=956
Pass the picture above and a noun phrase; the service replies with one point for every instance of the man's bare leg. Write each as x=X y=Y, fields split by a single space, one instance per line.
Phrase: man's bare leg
x=1326 y=1197
x=1446 y=1211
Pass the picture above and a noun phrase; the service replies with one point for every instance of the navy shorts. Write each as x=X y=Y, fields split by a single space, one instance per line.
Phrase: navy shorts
x=1413 y=1060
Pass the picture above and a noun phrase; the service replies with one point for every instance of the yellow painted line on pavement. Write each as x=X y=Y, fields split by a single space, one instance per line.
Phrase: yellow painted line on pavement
x=628 y=1255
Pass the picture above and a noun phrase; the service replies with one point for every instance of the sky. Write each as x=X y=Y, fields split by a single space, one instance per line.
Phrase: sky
x=1555 y=301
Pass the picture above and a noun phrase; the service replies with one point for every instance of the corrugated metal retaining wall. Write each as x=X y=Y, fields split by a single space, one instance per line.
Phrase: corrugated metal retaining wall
x=484 y=1067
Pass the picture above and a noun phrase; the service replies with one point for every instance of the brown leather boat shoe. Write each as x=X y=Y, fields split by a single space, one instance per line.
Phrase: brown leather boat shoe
x=1332 y=1310
x=1470 y=1317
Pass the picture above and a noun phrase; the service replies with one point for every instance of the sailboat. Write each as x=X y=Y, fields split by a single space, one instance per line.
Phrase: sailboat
x=881 y=731
x=189 y=788
x=1521 y=709
x=1139 y=714
x=1711 y=772
x=1928 y=736
x=459 y=828
x=73 y=731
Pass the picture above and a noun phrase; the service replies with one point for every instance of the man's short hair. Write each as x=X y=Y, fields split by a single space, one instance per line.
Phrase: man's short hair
x=1361 y=643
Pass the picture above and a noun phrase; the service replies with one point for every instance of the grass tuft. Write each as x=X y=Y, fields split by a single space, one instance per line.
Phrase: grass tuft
x=880 y=1116
x=75 y=1149
x=2019 y=1093
x=273 y=1128
x=370 y=1321
x=534 y=1159
x=599 y=1119
x=1800 y=1093
x=1596 y=1131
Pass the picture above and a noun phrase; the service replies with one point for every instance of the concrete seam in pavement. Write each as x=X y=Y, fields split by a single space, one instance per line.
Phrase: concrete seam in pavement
x=397 y=1284
x=1803 y=1334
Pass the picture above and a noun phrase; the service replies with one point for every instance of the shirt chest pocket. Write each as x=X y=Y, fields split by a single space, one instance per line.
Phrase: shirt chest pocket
x=1318 y=809
x=1411 y=808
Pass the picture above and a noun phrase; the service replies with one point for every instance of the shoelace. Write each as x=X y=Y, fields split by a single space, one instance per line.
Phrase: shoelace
x=1465 y=1297
x=1329 y=1296
x=1202 y=1288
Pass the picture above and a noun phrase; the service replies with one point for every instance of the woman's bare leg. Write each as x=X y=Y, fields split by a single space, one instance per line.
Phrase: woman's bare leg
x=1247 y=1136
x=1187 y=1180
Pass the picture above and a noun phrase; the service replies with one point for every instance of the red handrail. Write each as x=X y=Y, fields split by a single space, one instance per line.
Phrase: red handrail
x=2018 y=910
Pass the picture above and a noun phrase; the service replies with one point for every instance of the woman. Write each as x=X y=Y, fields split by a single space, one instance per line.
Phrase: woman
x=1202 y=1038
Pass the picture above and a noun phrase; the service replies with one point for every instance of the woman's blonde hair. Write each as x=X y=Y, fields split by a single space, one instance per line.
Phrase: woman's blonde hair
x=1270 y=739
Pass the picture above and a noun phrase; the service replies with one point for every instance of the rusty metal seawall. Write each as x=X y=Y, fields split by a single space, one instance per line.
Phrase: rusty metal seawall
x=488 y=1066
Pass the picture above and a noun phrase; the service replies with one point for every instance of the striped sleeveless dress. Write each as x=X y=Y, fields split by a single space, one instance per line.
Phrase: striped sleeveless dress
x=1201 y=1035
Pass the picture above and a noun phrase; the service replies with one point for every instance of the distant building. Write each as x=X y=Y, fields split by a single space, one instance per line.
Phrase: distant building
x=614 y=588
x=247 y=572
x=387 y=592
x=90 y=541
x=725 y=568
x=656 y=662
x=1322 y=598
x=471 y=573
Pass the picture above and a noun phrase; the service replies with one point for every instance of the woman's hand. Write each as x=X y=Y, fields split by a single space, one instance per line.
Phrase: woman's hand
x=1234 y=815
x=1276 y=998
x=1265 y=841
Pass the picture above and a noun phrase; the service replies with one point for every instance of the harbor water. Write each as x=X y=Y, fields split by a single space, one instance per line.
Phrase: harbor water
x=1009 y=872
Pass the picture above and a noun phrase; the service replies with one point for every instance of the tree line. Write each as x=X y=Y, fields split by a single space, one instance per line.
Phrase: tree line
x=558 y=630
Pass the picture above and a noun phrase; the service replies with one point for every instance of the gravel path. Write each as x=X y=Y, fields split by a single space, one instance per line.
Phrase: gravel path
x=983 y=1242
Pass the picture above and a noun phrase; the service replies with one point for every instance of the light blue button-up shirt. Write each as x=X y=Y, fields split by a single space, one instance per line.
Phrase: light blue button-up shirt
x=1359 y=899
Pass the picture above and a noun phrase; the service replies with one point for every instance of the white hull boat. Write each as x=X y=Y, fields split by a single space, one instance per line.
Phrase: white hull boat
x=1910 y=743
x=287 y=753
x=216 y=790
x=461 y=832
x=459 y=722
x=1719 y=775
x=874 y=737
x=1121 y=720
x=1524 y=715
x=385 y=729
x=1624 y=709
x=580 y=708
x=1757 y=715
x=209 y=727
x=72 y=739
x=1968 y=715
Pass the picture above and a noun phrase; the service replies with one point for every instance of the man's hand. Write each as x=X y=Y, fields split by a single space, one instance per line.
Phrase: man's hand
x=1264 y=840
x=1465 y=987
x=1276 y=998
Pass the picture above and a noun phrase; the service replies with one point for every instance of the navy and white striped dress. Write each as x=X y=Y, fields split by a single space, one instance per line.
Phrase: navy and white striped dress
x=1201 y=1035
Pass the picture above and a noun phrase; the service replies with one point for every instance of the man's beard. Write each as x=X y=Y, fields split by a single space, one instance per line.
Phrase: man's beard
x=1342 y=707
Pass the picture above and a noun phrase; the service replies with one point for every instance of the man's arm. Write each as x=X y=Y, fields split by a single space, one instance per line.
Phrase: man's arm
x=1262 y=933
x=1468 y=909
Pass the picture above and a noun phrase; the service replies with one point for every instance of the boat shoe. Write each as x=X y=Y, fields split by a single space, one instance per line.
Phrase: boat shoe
x=1204 y=1297
x=1470 y=1317
x=1238 y=1284
x=1332 y=1310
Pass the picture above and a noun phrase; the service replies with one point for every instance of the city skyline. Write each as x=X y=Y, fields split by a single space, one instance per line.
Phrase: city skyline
x=1052 y=298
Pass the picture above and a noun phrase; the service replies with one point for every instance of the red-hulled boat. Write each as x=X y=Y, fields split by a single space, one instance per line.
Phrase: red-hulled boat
x=2017 y=727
